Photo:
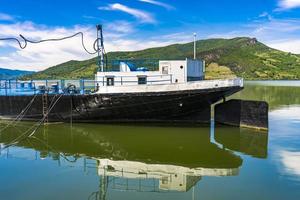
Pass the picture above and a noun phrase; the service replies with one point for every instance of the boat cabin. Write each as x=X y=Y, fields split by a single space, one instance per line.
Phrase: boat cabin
x=170 y=71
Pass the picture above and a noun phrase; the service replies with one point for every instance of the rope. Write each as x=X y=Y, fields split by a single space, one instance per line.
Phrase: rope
x=43 y=119
x=55 y=151
x=51 y=106
x=38 y=124
x=26 y=41
x=20 y=116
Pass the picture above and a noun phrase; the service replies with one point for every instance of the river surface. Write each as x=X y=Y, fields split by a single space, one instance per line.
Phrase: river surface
x=89 y=161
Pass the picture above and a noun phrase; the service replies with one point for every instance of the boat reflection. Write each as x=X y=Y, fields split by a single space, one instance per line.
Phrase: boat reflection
x=247 y=141
x=169 y=177
x=144 y=159
x=187 y=147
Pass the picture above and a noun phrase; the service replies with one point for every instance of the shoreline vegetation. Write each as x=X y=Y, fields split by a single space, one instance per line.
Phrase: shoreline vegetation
x=225 y=58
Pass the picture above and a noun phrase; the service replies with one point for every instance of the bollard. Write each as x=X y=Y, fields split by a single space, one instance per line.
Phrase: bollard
x=243 y=113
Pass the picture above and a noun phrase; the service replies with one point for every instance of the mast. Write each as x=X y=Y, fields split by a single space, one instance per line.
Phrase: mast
x=195 y=44
x=100 y=48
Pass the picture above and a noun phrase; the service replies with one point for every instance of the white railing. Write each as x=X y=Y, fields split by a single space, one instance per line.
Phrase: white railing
x=239 y=82
x=151 y=79
x=164 y=83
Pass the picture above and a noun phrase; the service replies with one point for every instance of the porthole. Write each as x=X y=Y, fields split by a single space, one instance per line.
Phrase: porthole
x=181 y=67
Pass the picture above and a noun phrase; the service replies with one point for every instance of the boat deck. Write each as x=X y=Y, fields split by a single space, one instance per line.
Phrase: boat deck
x=32 y=87
x=81 y=87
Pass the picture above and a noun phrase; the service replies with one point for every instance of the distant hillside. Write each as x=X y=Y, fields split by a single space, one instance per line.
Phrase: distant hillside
x=244 y=57
x=12 y=74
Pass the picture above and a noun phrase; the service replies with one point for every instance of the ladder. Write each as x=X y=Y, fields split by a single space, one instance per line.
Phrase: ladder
x=45 y=107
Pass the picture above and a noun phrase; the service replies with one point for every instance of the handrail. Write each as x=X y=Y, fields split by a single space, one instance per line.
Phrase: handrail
x=17 y=87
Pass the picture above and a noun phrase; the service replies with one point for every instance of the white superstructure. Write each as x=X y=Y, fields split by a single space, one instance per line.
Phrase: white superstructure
x=170 y=71
x=172 y=76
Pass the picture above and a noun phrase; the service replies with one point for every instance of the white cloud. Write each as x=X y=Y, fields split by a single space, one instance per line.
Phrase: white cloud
x=273 y=26
x=158 y=3
x=289 y=45
x=282 y=34
x=180 y=37
x=141 y=15
x=264 y=14
x=120 y=27
x=118 y=36
x=288 y=4
x=6 y=17
x=40 y=56
x=287 y=113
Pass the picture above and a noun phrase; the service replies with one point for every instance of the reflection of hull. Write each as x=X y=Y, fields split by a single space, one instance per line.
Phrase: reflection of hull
x=124 y=107
x=179 y=146
x=145 y=159
x=171 y=177
x=243 y=140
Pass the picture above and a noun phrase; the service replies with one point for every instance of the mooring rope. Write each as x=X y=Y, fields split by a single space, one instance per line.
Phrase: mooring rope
x=53 y=150
x=31 y=130
x=23 y=113
x=43 y=119
x=20 y=116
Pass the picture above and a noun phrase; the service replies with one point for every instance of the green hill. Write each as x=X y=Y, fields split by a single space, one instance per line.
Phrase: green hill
x=243 y=57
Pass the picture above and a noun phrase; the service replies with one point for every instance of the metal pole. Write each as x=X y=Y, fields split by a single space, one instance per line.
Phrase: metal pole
x=5 y=87
x=100 y=48
x=193 y=197
x=195 y=45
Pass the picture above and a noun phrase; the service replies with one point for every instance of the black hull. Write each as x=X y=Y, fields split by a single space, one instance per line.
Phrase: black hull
x=129 y=107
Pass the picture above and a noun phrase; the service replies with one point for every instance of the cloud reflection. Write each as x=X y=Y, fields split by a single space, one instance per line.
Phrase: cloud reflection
x=291 y=162
x=290 y=113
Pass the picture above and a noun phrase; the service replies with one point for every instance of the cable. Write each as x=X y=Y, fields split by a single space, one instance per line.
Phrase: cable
x=26 y=41
x=55 y=151
x=38 y=124
x=17 y=40
x=20 y=116
x=43 y=119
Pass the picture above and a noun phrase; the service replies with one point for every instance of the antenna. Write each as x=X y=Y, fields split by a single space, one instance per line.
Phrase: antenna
x=195 y=45
x=100 y=48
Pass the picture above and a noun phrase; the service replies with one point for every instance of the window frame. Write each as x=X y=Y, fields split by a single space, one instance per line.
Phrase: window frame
x=142 y=82
x=110 y=81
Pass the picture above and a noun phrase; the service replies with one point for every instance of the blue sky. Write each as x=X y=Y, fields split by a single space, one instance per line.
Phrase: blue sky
x=139 y=24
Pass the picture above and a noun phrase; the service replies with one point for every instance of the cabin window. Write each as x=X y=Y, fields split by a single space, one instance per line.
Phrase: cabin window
x=110 y=81
x=165 y=70
x=165 y=180
x=181 y=67
x=142 y=80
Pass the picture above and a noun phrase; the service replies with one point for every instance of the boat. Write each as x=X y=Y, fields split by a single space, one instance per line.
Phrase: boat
x=128 y=92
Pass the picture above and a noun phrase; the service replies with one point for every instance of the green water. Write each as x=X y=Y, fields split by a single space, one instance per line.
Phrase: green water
x=90 y=161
